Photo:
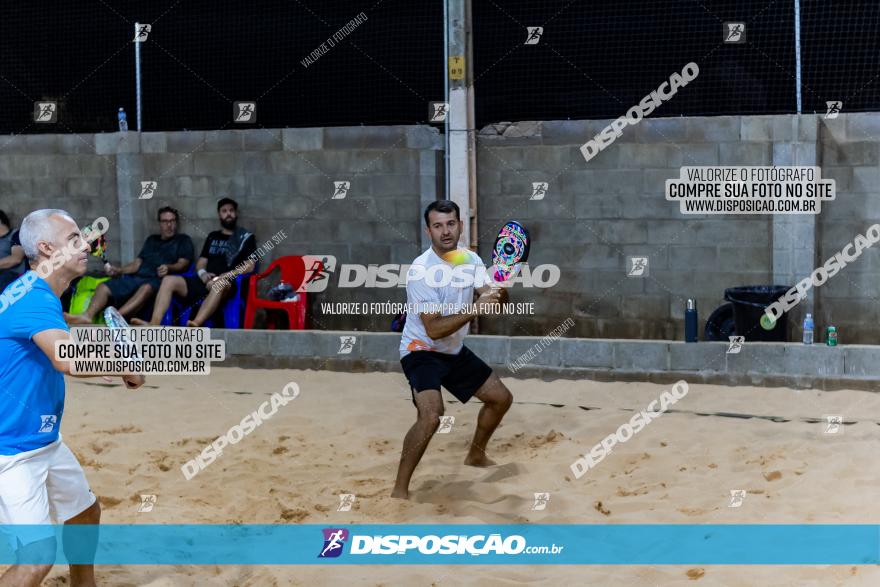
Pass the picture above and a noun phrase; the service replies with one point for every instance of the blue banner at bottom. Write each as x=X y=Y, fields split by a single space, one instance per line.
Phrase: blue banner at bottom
x=560 y=544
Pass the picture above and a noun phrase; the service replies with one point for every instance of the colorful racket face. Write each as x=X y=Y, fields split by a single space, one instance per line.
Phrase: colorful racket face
x=99 y=248
x=510 y=251
x=97 y=241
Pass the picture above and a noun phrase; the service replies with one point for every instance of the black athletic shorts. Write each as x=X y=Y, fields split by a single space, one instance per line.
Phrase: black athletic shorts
x=462 y=374
x=196 y=291
x=123 y=287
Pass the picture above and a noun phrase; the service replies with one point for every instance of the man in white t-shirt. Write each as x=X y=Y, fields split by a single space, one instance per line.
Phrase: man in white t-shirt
x=432 y=350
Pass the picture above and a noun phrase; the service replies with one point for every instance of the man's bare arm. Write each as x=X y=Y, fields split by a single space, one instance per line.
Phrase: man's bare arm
x=131 y=267
x=438 y=326
x=16 y=256
x=503 y=296
x=127 y=269
x=244 y=269
x=46 y=340
x=179 y=266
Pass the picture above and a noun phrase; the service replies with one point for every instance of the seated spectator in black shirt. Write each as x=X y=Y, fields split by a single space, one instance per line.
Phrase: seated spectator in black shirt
x=12 y=262
x=227 y=253
x=135 y=283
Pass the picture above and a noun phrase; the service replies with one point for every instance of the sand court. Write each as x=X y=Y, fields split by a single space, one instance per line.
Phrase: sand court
x=343 y=433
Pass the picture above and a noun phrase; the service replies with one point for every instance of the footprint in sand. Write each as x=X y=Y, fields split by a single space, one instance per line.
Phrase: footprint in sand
x=294 y=515
x=601 y=509
x=162 y=460
x=99 y=447
x=501 y=472
x=762 y=460
x=380 y=446
x=693 y=511
x=694 y=574
x=109 y=502
x=90 y=463
x=121 y=430
x=196 y=441
x=773 y=475
x=550 y=438
x=621 y=492
x=634 y=462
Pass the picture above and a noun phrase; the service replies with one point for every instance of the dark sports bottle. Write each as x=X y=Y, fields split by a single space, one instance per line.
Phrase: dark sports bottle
x=690 y=321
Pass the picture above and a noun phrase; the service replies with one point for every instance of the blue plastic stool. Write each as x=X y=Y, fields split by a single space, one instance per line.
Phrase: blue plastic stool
x=232 y=309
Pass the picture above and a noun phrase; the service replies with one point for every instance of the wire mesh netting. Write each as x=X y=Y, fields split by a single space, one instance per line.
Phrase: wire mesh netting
x=839 y=54
x=201 y=56
x=532 y=60
x=597 y=59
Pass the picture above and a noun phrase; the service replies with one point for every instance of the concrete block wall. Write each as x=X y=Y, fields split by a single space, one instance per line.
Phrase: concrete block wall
x=283 y=180
x=594 y=215
x=57 y=171
x=849 y=147
x=790 y=365
x=597 y=213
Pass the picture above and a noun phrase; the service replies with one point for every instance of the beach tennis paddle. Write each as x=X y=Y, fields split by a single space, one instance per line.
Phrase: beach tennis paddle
x=511 y=250
x=99 y=248
x=97 y=242
x=115 y=321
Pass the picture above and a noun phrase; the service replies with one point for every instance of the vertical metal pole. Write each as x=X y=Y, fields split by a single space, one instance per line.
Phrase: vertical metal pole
x=137 y=73
x=459 y=178
x=797 y=52
x=447 y=27
x=471 y=121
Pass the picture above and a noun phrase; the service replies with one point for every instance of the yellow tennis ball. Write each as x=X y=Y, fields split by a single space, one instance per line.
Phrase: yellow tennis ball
x=767 y=323
x=457 y=257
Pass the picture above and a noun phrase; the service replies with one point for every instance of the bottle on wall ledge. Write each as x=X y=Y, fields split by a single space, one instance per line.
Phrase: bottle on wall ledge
x=808 y=329
x=690 y=321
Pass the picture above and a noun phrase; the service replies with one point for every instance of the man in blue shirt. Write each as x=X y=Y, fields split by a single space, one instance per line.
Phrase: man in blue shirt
x=41 y=482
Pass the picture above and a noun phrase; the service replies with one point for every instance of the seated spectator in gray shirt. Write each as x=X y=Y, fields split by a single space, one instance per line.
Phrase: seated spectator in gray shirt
x=12 y=262
x=133 y=284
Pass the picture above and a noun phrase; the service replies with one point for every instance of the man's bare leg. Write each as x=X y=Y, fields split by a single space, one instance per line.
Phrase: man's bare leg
x=98 y=302
x=27 y=575
x=84 y=575
x=430 y=408
x=172 y=285
x=496 y=400
x=217 y=293
x=136 y=302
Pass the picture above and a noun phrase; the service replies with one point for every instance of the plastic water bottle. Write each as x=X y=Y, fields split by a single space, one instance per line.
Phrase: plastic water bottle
x=123 y=123
x=808 y=329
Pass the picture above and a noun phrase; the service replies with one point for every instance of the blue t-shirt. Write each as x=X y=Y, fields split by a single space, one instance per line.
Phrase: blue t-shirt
x=31 y=390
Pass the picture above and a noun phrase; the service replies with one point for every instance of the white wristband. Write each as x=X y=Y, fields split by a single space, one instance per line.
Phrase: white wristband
x=202 y=272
